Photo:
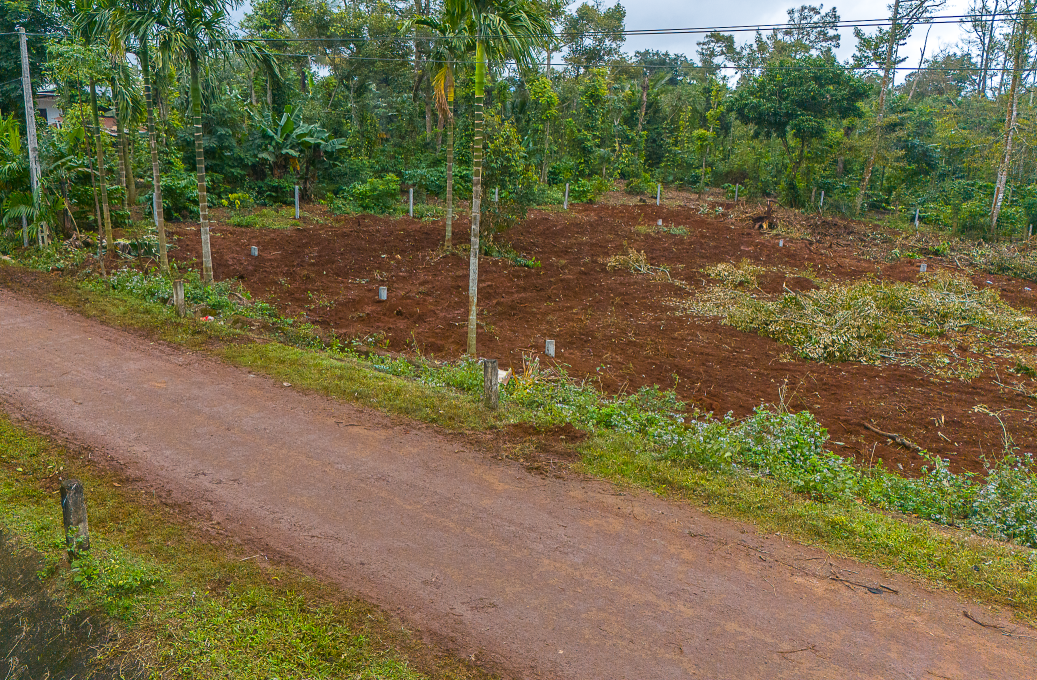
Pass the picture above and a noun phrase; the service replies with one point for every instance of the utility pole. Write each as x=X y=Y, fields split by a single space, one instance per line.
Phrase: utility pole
x=30 y=127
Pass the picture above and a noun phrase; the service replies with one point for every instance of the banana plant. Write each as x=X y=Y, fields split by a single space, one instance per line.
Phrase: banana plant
x=292 y=145
x=47 y=204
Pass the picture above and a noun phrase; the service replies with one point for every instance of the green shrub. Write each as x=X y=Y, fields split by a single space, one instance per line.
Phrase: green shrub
x=179 y=196
x=641 y=186
x=508 y=177
x=376 y=196
x=272 y=191
x=238 y=201
x=790 y=447
x=584 y=191
x=1005 y=505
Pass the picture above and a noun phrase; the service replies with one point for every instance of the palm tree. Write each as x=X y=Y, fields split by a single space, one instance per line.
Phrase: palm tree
x=138 y=21
x=454 y=42
x=88 y=26
x=515 y=29
x=199 y=30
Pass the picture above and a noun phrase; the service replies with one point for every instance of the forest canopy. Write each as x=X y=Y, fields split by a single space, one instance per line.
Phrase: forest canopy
x=352 y=102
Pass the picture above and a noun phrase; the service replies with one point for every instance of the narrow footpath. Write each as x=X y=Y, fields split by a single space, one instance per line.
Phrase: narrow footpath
x=537 y=577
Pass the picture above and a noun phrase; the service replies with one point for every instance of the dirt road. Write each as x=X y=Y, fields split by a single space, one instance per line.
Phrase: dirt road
x=537 y=577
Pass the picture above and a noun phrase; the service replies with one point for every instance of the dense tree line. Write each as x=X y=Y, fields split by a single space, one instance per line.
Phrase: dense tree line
x=353 y=101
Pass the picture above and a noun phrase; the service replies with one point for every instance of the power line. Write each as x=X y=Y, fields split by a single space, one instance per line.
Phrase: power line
x=670 y=67
x=737 y=28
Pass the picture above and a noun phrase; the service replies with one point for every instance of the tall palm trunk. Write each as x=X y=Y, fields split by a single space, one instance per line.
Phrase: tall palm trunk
x=641 y=122
x=477 y=131
x=121 y=151
x=120 y=141
x=127 y=162
x=199 y=157
x=102 y=179
x=1020 y=43
x=156 y=169
x=881 y=110
x=547 y=129
x=97 y=204
x=448 y=241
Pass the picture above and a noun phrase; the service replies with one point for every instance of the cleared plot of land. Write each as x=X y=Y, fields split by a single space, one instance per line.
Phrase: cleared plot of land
x=538 y=577
x=634 y=328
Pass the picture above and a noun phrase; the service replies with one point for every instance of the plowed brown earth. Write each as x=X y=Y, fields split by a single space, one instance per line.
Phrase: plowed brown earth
x=614 y=326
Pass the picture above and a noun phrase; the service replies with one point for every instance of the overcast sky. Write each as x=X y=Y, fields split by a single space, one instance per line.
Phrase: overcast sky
x=683 y=14
x=646 y=14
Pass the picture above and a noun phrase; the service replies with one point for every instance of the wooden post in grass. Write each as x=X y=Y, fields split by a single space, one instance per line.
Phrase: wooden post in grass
x=179 y=303
x=73 y=513
x=491 y=384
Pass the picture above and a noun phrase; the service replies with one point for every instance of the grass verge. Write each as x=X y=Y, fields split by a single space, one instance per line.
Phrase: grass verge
x=185 y=607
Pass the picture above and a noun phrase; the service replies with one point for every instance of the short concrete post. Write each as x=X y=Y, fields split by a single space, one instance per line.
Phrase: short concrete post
x=565 y=204
x=658 y=193
x=549 y=348
x=73 y=512
x=491 y=384
x=923 y=267
x=1030 y=234
x=496 y=194
x=822 y=200
x=254 y=251
x=411 y=198
x=383 y=293
x=737 y=187
x=296 y=201
x=179 y=303
x=916 y=219
x=659 y=223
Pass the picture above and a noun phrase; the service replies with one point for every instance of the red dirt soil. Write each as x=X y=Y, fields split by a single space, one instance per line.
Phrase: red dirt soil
x=613 y=326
